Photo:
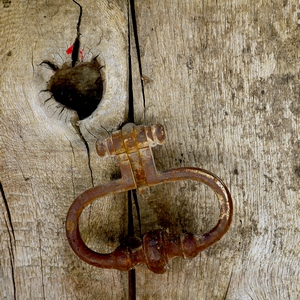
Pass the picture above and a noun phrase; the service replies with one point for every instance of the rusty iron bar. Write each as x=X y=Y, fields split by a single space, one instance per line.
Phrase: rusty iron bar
x=132 y=145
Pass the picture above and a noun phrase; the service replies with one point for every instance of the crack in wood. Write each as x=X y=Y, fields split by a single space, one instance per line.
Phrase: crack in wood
x=229 y=282
x=76 y=45
x=12 y=238
x=77 y=128
x=12 y=263
x=137 y=46
x=132 y=197
x=7 y=211
x=91 y=171
x=41 y=260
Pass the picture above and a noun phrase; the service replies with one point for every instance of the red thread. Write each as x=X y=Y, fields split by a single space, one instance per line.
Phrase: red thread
x=70 y=50
x=81 y=54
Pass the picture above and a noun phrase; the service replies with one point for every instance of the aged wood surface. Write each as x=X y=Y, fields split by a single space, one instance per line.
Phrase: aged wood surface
x=44 y=161
x=222 y=77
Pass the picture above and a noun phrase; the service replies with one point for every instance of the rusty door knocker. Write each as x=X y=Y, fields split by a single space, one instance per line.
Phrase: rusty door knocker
x=132 y=145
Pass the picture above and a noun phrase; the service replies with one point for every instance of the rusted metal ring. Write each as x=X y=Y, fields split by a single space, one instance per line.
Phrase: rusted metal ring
x=156 y=247
x=135 y=252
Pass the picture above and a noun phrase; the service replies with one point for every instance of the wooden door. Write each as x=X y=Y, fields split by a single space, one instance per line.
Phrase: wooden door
x=223 y=79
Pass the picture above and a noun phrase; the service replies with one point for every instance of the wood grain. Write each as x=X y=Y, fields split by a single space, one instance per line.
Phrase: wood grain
x=224 y=83
x=222 y=77
x=45 y=163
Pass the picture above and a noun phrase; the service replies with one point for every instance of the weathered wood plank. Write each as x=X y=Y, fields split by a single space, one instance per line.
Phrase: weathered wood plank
x=224 y=83
x=45 y=163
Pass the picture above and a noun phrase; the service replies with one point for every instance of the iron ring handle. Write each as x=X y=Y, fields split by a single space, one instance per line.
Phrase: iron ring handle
x=155 y=248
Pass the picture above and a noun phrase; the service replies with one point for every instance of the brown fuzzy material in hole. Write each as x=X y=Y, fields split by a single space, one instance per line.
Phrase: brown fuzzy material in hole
x=79 y=88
